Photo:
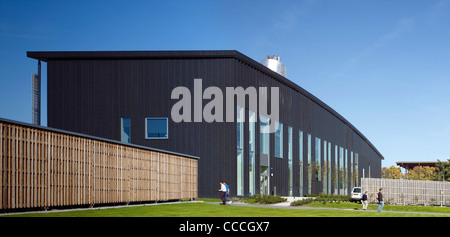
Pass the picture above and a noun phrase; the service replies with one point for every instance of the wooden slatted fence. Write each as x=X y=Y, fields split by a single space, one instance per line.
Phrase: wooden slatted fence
x=408 y=192
x=43 y=168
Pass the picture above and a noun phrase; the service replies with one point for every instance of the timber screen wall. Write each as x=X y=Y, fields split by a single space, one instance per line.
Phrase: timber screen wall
x=408 y=192
x=43 y=168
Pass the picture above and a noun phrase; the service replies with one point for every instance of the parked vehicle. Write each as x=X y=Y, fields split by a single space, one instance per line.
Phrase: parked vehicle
x=356 y=194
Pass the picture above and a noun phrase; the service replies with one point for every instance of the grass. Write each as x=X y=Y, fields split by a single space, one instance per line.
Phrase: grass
x=213 y=210
x=356 y=206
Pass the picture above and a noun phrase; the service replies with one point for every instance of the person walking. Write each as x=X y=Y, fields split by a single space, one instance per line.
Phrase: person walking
x=380 y=200
x=364 y=201
x=222 y=191
x=227 y=192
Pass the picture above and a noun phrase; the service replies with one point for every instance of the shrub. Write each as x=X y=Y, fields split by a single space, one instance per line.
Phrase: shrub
x=268 y=199
x=302 y=202
x=324 y=198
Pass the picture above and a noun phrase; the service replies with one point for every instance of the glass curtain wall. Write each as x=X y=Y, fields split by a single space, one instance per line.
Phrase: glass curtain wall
x=344 y=173
x=340 y=171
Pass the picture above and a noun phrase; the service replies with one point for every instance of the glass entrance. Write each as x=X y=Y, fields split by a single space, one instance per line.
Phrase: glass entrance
x=264 y=180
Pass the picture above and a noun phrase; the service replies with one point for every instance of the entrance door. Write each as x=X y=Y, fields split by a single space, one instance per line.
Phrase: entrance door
x=264 y=164
x=264 y=179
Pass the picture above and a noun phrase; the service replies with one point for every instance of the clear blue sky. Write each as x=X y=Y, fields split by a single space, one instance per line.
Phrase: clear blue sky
x=384 y=65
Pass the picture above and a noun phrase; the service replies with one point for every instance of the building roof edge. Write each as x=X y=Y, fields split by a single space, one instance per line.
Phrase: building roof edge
x=177 y=54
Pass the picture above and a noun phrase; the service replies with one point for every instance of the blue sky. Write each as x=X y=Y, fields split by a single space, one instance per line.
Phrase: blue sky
x=384 y=65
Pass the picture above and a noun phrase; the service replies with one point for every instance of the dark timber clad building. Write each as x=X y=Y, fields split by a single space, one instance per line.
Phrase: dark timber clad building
x=126 y=96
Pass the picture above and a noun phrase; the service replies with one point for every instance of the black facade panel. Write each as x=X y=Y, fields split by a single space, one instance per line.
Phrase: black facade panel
x=89 y=94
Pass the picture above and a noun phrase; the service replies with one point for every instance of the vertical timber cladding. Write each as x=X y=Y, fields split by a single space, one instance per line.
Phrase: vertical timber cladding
x=46 y=168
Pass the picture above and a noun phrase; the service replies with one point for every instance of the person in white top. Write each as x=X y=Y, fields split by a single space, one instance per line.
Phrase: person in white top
x=223 y=191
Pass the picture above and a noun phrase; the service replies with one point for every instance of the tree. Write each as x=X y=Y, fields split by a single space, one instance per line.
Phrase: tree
x=391 y=173
x=443 y=170
x=438 y=173
x=423 y=173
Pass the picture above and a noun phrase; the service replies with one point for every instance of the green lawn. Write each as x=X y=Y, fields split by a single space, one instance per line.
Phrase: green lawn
x=356 y=206
x=213 y=210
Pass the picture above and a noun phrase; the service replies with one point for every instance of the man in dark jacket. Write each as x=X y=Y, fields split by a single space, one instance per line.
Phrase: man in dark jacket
x=364 y=201
x=380 y=200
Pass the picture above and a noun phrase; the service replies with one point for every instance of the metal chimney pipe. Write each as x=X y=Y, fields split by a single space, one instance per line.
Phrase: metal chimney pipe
x=274 y=63
x=36 y=96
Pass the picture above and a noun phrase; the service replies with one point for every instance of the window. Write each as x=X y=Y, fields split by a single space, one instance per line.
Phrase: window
x=240 y=153
x=240 y=173
x=264 y=135
x=125 y=128
x=240 y=127
x=300 y=160
x=346 y=172
x=309 y=164
x=352 y=178
x=290 y=160
x=279 y=140
x=251 y=161
x=264 y=158
x=356 y=170
x=329 y=168
x=336 y=169
x=325 y=167
x=341 y=171
x=317 y=165
x=156 y=128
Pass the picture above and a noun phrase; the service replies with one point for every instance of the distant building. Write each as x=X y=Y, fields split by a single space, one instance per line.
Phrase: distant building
x=409 y=165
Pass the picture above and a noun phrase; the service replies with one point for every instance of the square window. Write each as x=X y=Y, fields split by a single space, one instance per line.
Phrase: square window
x=156 y=128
